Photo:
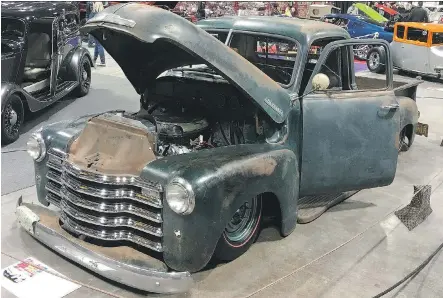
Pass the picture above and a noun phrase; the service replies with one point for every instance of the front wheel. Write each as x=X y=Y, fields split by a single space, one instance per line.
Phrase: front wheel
x=84 y=80
x=12 y=119
x=241 y=231
x=376 y=60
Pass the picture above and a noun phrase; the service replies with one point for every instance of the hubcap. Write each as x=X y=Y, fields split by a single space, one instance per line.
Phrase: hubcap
x=244 y=221
x=13 y=117
x=374 y=60
x=11 y=121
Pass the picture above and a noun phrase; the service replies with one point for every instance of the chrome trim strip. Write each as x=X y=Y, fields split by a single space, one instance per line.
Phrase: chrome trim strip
x=107 y=194
x=121 y=235
x=139 y=277
x=110 y=207
x=110 y=179
x=109 y=222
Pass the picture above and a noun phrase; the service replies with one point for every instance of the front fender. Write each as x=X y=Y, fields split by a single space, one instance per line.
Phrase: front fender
x=222 y=178
x=70 y=68
x=9 y=88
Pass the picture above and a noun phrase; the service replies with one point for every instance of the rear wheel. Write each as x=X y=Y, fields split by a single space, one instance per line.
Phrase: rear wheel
x=241 y=231
x=84 y=81
x=376 y=60
x=404 y=142
x=12 y=119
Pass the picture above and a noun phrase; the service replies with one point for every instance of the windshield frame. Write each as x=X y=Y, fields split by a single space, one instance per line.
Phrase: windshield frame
x=15 y=19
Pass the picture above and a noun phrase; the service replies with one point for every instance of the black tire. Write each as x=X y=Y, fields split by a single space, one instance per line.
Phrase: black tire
x=376 y=60
x=236 y=241
x=404 y=142
x=84 y=77
x=12 y=119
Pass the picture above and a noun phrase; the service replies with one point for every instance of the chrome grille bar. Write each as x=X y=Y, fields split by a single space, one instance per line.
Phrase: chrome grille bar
x=53 y=188
x=53 y=199
x=112 y=222
x=110 y=207
x=110 y=179
x=108 y=235
x=118 y=194
x=56 y=177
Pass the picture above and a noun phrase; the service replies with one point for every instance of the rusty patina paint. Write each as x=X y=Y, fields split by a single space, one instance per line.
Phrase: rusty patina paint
x=112 y=147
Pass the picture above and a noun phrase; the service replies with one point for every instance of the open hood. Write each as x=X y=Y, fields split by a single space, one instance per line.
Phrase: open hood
x=145 y=41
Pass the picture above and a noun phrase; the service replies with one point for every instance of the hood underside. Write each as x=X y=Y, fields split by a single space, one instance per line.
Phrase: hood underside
x=145 y=41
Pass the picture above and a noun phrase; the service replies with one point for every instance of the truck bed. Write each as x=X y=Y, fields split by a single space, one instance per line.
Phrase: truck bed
x=407 y=89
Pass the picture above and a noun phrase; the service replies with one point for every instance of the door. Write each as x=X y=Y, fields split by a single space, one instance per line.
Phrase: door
x=398 y=46
x=350 y=136
x=415 y=50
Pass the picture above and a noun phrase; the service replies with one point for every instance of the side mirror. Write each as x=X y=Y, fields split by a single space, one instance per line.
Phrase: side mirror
x=320 y=82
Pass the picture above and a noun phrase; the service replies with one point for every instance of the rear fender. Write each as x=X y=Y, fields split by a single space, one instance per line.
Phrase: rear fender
x=222 y=179
x=70 y=68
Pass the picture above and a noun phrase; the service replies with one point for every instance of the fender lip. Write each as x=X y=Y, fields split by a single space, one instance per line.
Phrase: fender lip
x=42 y=224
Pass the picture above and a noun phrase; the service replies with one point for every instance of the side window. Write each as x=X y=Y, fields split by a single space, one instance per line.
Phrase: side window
x=222 y=36
x=400 y=31
x=437 y=38
x=274 y=56
x=339 y=70
x=419 y=35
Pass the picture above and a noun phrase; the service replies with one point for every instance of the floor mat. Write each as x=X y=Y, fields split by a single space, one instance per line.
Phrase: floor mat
x=311 y=207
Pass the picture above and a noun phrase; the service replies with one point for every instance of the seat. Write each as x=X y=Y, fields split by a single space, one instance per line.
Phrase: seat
x=38 y=58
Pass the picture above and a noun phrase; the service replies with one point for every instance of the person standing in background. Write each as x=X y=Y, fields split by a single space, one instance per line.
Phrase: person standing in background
x=98 y=51
x=419 y=14
x=89 y=15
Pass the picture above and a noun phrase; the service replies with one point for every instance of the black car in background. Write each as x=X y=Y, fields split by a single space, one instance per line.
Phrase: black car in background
x=42 y=60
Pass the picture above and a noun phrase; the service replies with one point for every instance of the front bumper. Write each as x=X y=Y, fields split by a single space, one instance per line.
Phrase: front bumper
x=124 y=265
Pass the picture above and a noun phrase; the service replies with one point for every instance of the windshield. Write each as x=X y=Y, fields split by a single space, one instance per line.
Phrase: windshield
x=275 y=57
x=12 y=27
x=370 y=21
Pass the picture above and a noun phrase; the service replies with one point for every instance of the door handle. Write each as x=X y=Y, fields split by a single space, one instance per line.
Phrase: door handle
x=393 y=106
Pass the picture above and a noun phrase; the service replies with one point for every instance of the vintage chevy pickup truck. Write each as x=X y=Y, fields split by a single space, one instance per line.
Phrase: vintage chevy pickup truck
x=227 y=130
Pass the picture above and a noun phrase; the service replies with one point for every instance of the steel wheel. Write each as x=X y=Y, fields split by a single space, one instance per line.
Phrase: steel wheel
x=242 y=224
x=241 y=230
x=403 y=141
x=12 y=119
x=84 y=79
x=374 y=60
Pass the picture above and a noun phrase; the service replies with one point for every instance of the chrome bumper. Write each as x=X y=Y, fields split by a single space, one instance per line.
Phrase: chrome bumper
x=121 y=264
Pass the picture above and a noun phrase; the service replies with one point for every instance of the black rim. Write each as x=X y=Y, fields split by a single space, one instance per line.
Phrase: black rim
x=244 y=222
x=13 y=115
x=85 y=75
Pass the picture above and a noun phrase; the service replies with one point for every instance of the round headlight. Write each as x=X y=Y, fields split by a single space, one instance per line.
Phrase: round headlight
x=36 y=147
x=180 y=196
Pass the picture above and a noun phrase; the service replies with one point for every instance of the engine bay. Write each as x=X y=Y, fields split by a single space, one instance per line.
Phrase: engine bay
x=189 y=115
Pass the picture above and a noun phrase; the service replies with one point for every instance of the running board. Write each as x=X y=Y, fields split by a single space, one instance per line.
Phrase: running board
x=62 y=90
x=312 y=207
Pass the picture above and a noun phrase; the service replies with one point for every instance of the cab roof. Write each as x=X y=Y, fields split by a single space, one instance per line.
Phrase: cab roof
x=36 y=10
x=302 y=30
x=424 y=26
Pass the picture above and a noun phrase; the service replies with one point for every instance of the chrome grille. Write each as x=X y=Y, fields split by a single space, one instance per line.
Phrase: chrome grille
x=105 y=207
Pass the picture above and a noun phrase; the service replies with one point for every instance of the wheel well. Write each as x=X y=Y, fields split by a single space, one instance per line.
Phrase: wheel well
x=409 y=129
x=271 y=209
